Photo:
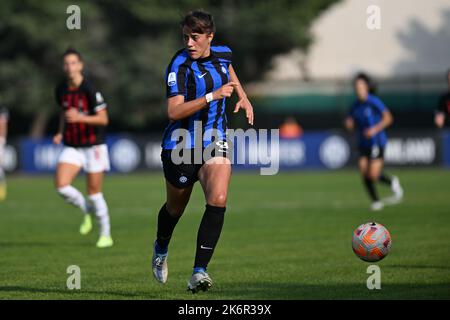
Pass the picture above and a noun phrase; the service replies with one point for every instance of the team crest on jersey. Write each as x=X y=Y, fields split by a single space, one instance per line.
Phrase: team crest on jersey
x=224 y=70
x=171 y=79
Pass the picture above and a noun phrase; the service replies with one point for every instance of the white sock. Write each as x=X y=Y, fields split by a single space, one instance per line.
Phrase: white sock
x=100 y=209
x=73 y=196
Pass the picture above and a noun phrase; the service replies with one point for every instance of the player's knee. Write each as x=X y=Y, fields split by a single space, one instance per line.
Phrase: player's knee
x=61 y=181
x=218 y=199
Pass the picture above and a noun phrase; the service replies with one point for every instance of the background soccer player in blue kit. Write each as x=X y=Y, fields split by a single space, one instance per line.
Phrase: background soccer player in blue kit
x=371 y=117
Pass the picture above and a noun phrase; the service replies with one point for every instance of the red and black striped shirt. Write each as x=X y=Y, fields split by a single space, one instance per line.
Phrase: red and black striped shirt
x=86 y=100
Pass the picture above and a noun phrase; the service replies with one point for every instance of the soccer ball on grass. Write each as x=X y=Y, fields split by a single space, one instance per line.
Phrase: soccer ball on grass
x=371 y=242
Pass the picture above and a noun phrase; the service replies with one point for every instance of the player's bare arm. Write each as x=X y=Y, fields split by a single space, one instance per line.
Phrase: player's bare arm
x=349 y=124
x=99 y=119
x=178 y=109
x=439 y=119
x=244 y=102
x=385 y=122
x=57 y=138
x=3 y=127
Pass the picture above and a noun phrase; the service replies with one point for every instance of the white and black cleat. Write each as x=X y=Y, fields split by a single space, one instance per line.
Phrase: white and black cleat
x=377 y=206
x=200 y=281
x=159 y=266
x=397 y=191
x=396 y=188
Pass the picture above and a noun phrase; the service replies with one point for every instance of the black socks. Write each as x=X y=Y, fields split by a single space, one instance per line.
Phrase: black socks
x=370 y=186
x=166 y=224
x=208 y=234
x=385 y=179
x=207 y=237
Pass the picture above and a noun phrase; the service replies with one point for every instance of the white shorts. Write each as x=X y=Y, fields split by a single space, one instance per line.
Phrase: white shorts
x=92 y=159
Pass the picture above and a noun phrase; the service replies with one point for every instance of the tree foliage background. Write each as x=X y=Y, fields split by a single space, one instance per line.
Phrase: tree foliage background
x=127 y=45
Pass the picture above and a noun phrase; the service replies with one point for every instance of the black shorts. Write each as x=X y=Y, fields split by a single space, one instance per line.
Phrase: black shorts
x=372 y=153
x=182 y=175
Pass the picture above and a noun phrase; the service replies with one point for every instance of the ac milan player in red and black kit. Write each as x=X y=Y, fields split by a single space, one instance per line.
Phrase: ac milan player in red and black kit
x=443 y=110
x=83 y=120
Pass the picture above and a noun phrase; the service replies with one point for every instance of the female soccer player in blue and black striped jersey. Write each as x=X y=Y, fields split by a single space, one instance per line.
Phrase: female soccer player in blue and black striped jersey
x=199 y=79
x=371 y=118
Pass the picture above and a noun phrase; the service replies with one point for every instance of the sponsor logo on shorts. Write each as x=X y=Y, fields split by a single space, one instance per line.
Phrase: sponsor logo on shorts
x=183 y=179
x=375 y=152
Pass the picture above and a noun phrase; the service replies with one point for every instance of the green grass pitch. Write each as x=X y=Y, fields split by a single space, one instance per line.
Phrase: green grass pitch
x=285 y=237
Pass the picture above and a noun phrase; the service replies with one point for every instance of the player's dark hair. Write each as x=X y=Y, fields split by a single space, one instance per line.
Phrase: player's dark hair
x=198 y=21
x=371 y=85
x=71 y=50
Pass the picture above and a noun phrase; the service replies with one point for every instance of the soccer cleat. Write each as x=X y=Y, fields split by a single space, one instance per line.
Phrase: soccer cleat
x=396 y=188
x=376 y=206
x=159 y=265
x=86 y=225
x=199 y=281
x=104 y=242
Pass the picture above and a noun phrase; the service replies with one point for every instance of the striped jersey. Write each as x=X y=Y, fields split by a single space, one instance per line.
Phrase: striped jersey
x=194 y=79
x=85 y=99
x=366 y=114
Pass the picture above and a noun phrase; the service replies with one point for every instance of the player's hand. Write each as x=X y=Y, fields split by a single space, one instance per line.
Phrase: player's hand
x=224 y=91
x=73 y=116
x=245 y=104
x=439 y=120
x=57 y=138
x=371 y=132
x=349 y=124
